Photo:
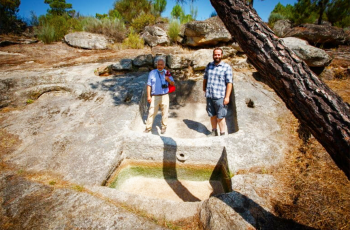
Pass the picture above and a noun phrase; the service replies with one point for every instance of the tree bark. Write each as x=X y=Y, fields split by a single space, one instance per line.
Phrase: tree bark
x=315 y=105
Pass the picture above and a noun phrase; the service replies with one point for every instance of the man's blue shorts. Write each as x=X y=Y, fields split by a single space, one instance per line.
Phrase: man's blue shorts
x=216 y=107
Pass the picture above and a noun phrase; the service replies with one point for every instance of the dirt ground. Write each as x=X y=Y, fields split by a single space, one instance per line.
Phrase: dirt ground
x=55 y=55
x=59 y=54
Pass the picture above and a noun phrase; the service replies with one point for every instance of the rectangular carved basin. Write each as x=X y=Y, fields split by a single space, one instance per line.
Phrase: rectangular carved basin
x=171 y=181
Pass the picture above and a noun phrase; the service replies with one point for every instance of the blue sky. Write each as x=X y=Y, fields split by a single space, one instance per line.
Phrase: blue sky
x=91 y=7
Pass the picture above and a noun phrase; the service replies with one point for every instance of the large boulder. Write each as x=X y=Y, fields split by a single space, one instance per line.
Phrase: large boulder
x=178 y=61
x=87 y=40
x=320 y=34
x=143 y=60
x=124 y=64
x=203 y=33
x=201 y=58
x=154 y=35
x=248 y=206
x=314 y=57
x=281 y=27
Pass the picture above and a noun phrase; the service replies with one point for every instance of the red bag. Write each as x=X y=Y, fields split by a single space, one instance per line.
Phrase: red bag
x=172 y=88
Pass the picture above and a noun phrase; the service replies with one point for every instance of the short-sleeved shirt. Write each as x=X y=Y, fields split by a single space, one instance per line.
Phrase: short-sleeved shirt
x=217 y=76
x=155 y=80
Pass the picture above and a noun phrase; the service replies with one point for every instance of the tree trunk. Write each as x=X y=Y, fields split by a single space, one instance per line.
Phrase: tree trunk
x=315 y=105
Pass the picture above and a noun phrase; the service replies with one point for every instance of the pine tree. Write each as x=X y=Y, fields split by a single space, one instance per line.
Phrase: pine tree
x=58 y=7
x=159 y=6
x=130 y=9
x=8 y=18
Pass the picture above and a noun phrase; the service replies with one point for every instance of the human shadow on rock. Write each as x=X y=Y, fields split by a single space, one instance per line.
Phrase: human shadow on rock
x=196 y=126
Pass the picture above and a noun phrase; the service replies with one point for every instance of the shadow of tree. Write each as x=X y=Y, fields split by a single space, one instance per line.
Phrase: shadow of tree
x=124 y=89
x=256 y=215
x=170 y=173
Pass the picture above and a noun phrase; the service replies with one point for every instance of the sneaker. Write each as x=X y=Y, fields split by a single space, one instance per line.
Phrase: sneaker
x=213 y=133
x=147 y=131
x=163 y=130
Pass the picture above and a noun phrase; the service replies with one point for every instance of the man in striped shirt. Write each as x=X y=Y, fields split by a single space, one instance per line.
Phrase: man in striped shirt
x=217 y=85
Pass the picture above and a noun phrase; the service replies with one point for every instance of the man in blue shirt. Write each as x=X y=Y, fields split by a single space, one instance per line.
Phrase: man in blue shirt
x=157 y=95
x=217 y=85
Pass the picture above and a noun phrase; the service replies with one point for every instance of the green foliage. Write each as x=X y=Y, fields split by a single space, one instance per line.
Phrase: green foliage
x=34 y=20
x=111 y=27
x=29 y=101
x=101 y=16
x=142 y=21
x=179 y=14
x=46 y=33
x=184 y=1
x=159 y=6
x=174 y=30
x=114 y=14
x=177 y=11
x=133 y=41
x=111 y=14
x=130 y=9
x=193 y=11
x=186 y=18
x=286 y=11
x=308 y=11
x=338 y=13
x=58 y=7
x=78 y=188
x=8 y=18
x=274 y=17
x=304 y=12
x=53 y=27
x=213 y=14
x=281 y=12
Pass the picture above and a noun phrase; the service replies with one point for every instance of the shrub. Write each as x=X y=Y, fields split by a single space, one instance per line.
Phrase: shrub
x=274 y=17
x=46 y=33
x=130 y=9
x=53 y=28
x=186 y=18
x=111 y=27
x=142 y=21
x=133 y=41
x=174 y=30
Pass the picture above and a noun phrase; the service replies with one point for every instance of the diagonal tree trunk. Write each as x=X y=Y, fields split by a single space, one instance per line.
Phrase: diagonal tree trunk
x=315 y=105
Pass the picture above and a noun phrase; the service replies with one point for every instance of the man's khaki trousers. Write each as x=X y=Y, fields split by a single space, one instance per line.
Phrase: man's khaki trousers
x=163 y=103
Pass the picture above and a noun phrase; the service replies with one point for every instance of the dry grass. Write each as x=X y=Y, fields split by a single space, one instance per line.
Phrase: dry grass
x=341 y=87
x=316 y=192
x=8 y=142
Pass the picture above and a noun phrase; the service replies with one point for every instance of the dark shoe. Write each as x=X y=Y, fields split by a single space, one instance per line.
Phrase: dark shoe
x=146 y=131
x=213 y=133
x=163 y=130
x=222 y=134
